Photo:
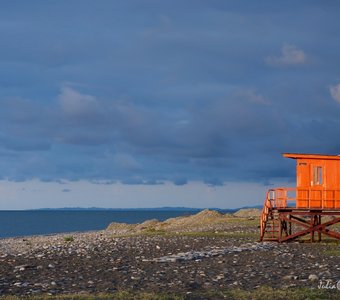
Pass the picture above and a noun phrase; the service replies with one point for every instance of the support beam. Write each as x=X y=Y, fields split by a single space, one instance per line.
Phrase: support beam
x=314 y=225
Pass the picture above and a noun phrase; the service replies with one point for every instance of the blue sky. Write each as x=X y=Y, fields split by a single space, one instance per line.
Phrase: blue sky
x=163 y=100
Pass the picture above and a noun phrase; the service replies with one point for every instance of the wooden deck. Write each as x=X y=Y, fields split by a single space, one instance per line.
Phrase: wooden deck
x=283 y=221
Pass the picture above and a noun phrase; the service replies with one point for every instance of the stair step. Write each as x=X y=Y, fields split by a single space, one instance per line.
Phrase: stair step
x=270 y=224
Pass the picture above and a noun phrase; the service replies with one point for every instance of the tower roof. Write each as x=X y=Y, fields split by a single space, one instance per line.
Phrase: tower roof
x=311 y=156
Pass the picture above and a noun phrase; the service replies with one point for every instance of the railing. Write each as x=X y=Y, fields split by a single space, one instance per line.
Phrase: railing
x=310 y=198
x=282 y=197
x=318 y=197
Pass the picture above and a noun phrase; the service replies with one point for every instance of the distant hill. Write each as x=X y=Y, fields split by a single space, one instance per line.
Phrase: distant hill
x=166 y=208
x=122 y=209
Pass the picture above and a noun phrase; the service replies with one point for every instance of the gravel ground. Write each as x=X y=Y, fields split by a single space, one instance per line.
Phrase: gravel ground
x=99 y=262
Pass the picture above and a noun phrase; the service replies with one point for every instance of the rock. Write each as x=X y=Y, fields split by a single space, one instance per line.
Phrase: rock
x=194 y=285
x=313 y=277
x=21 y=268
x=327 y=274
x=290 y=277
x=18 y=284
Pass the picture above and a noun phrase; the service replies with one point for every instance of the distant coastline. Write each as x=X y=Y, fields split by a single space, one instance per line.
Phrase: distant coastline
x=166 y=208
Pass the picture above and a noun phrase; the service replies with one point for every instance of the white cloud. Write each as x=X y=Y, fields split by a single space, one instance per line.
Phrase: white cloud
x=335 y=92
x=290 y=55
x=75 y=103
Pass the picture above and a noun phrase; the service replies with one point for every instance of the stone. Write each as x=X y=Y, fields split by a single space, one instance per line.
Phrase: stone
x=313 y=277
x=18 y=284
x=21 y=267
x=220 y=277
x=290 y=277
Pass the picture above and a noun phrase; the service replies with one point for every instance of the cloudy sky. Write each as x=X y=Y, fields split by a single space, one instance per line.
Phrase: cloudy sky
x=163 y=103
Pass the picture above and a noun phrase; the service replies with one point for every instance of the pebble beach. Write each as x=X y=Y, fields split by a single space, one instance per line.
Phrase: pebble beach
x=209 y=256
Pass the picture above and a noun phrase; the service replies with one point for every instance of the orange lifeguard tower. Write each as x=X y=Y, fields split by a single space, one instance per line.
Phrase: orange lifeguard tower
x=291 y=213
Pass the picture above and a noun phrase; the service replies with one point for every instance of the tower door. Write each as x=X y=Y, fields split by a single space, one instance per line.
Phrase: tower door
x=302 y=184
x=317 y=183
x=303 y=175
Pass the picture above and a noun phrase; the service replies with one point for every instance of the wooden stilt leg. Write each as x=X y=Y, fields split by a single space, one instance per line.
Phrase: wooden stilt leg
x=319 y=232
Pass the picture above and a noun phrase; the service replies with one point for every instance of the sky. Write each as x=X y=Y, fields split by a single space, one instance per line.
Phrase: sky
x=151 y=103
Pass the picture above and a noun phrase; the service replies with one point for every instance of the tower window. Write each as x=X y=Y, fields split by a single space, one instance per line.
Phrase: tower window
x=317 y=175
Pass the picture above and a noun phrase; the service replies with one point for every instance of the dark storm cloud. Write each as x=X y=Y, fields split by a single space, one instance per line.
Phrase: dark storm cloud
x=148 y=91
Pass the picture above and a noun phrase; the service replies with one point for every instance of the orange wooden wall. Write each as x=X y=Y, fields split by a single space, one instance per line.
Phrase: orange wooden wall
x=317 y=181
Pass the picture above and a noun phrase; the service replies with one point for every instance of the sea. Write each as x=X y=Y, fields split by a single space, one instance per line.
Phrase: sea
x=44 y=222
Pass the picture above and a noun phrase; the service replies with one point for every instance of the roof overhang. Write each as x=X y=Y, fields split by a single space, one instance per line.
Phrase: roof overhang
x=311 y=156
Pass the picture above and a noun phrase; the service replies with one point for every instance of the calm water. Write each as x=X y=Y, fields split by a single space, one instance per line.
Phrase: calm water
x=23 y=223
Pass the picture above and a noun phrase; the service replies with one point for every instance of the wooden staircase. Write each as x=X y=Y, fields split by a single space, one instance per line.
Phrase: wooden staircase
x=270 y=221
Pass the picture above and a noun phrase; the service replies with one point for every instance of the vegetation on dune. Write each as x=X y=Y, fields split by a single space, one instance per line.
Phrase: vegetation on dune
x=206 y=220
x=69 y=238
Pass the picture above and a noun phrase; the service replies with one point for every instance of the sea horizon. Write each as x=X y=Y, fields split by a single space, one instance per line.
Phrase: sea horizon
x=162 y=208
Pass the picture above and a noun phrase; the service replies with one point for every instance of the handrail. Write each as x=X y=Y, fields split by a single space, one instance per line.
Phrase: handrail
x=265 y=211
x=311 y=197
x=281 y=197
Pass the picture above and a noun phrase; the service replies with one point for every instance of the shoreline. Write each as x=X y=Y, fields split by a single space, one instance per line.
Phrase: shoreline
x=50 y=234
